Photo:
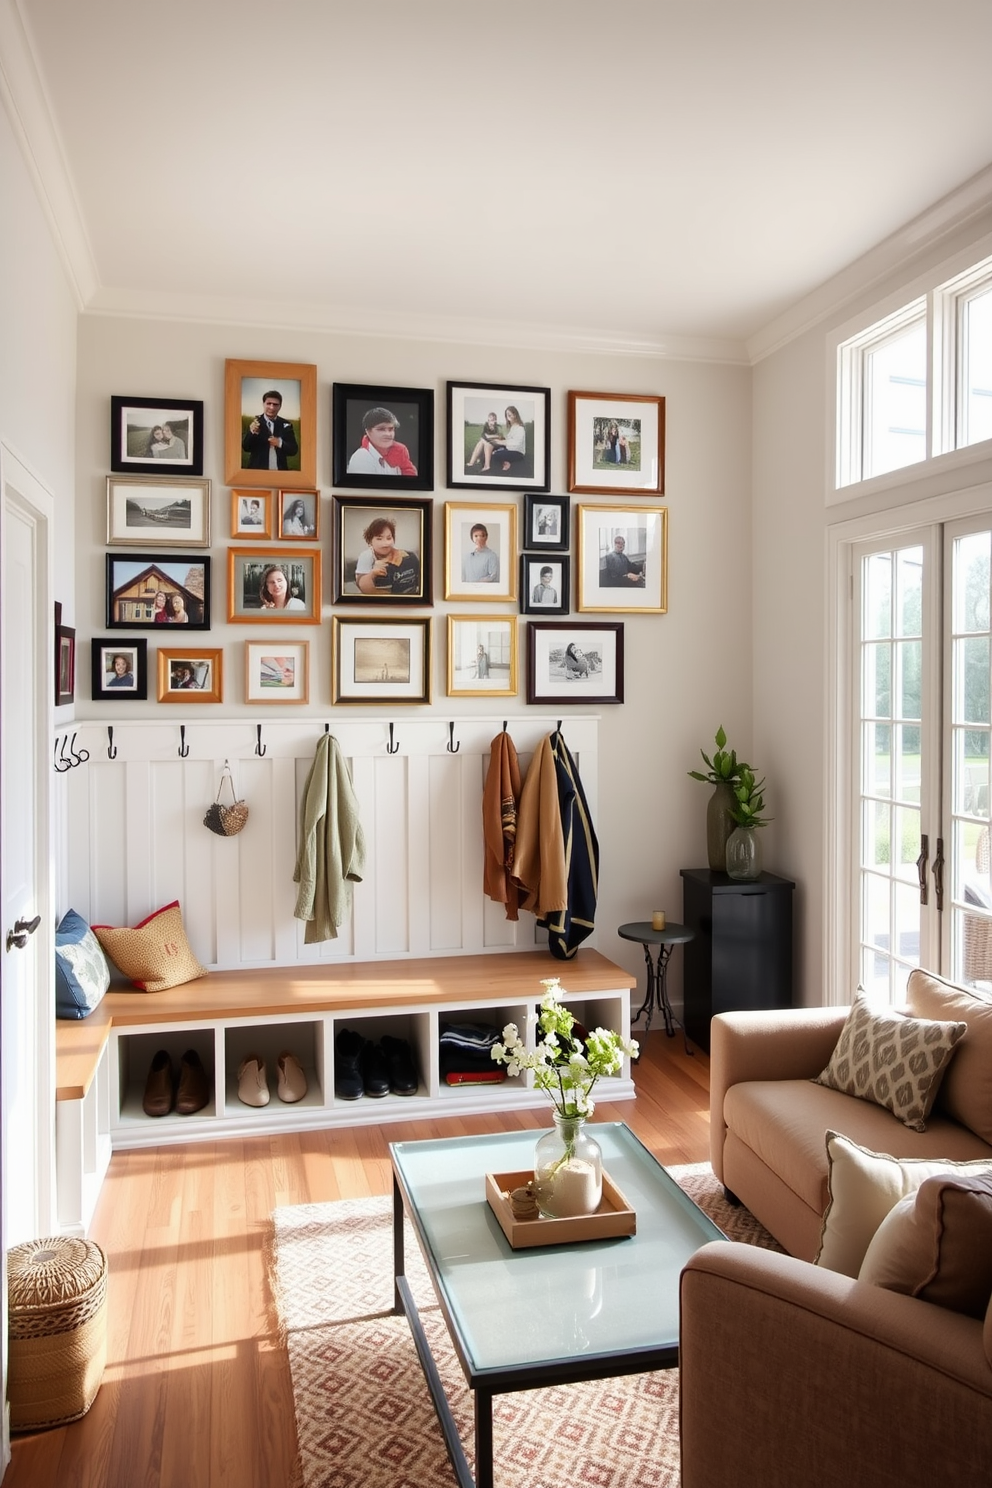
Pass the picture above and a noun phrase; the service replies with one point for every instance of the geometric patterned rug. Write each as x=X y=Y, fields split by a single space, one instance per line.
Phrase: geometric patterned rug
x=364 y=1417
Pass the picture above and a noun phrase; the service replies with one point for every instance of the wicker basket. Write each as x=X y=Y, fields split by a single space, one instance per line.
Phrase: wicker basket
x=57 y=1303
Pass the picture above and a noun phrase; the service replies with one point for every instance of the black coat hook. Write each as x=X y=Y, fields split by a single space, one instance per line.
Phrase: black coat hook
x=79 y=756
x=61 y=763
x=558 y=727
x=111 y=751
x=451 y=746
x=260 y=748
x=392 y=748
x=183 y=746
x=504 y=725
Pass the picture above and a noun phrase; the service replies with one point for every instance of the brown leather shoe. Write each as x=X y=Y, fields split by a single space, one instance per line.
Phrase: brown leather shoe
x=194 y=1087
x=159 y=1087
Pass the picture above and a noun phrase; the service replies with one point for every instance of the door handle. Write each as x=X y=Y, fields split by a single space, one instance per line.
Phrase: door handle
x=22 y=929
x=921 y=866
x=938 y=874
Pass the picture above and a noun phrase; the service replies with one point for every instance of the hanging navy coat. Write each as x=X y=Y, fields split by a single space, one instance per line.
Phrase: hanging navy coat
x=569 y=927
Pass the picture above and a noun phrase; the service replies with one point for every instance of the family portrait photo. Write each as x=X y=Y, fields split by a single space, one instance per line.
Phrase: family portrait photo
x=383 y=437
x=118 y=669
x=499 y=436
x=270 y=435
x=145 y=592
x=190 y=676
x=573 y=662
x=482 y=656
x=480 y=550
x=147 y=511
x=382 y=551
x=380 y=661
x=149 y=435
x=277 y=674
x=623 y=558
x=616 y=443
x=273 y=584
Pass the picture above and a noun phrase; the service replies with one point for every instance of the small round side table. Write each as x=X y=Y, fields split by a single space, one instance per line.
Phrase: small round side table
x=656 y=998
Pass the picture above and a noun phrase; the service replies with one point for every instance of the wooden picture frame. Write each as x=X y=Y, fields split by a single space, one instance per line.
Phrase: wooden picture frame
x=245 y=438
x=482 y=655
x=141 y=586
x=381 y=661
x=251 y=515
x=298 y=596
x=65 y=660
x=468 y=574
x=112 y=683
x=147 y=511
x=371 y=568
x=616 y=444
x=161 y=437
x=482 y=414
x=544 y=583
x=277 y=672
x=623 y=559
x=403 y=459
x=190 y=674
x=298 y=516
x=546 y=524
x=593 y=675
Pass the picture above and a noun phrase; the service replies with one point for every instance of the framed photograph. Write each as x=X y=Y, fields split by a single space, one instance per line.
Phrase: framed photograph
x=119 y=669
x=273 y=585
x=480 y=551
x=156 y=436
x=251 y=514
x=270 y=424
x=616 y=444
x=65 y=660
x=380 y=661
x=277 y=673
x=546 y=523
x=482 y=656
x=574 y=662
x=145 y=591
x=543 y=584
x=382 y=551
x=145 y=511
x=298 y=516
x=190 y=675
x=499 y=436
x=623 y=558
x=383 y=437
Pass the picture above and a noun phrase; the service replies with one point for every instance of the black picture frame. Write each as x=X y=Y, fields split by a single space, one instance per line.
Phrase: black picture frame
x=65 y=660
x=413 y=527
x=601 y=643
x=134 y=579
x=547 y=520
x=532 y=566
x=103 y=686
x=469 y=406
x=413 y=408
x=133 y=422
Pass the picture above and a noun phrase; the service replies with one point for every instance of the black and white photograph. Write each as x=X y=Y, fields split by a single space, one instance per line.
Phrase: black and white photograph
x=270 y=424
x=251 y=515
x=482 y=656
x=499 y=436
x=480 y=551
x=546 y=523
x=273 y=585
x=146 y=591
x=190 y=675
x=574 y=662
x=380 y=661
x=298 y=516
x=156 y=436
x=382 y=437
x=543 y=584
x=148 y=511
x=382 y=551
x=118 y=669
x=623 y=558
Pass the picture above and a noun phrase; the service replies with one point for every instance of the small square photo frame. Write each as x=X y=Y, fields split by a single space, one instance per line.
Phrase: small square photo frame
x=480 y=551
x=157 y=512
x=380 y=661
x=277 y=671
x=574 y=662
x=546 y=523
x=250 y=456
x=118 y=669
x=623 y=559
x=482 y=655
x=156 y=436
x=150 y=591
x=499 y=437
x=616 y=444
x=251 y=515
x=190 y=674
x=544 y=583
x=273 y=586
x=383 y=551
x=383 y=437
x=297 y=516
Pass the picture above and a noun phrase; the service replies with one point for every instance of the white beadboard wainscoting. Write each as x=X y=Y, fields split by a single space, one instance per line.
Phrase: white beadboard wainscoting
x=131 y=837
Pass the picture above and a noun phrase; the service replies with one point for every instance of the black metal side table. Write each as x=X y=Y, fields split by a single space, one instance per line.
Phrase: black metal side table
x=656 y=998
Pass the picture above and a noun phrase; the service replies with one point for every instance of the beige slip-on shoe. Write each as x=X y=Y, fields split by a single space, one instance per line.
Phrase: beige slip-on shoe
x=253 y=1088
x=292 y=1083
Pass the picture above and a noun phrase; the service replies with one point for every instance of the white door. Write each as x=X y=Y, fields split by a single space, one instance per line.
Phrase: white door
x=27 y=1034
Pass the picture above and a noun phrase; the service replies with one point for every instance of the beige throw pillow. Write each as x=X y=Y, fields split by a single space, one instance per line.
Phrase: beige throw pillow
x=892 y=1060
x=937 y=1244
x=966 y=1090
x=155 y=954
x=864 y=1186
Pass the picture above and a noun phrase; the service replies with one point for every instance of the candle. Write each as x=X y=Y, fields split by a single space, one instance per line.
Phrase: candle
x=658 y=920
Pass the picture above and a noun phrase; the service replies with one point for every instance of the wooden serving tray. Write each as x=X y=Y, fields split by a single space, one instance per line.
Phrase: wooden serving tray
x=613 y=1218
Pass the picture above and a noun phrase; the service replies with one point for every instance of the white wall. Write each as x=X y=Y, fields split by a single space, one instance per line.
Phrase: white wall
x=686 y=671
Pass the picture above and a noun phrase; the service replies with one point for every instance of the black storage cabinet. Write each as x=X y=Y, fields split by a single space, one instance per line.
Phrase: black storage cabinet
x=741 y=956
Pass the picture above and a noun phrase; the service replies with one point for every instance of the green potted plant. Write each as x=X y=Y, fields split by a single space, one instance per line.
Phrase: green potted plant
x=743 y=859
x=723 y=772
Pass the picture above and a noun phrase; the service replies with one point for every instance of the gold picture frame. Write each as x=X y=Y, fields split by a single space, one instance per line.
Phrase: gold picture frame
x=482 y=656
x=295 y=423
x=623 y=559
x=250 y=570
x=190 y=674
x=277 y=671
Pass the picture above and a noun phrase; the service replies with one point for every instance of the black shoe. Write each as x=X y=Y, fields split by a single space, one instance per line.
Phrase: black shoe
x=375 y=1071
x=348 y=1083
x=403 y=1078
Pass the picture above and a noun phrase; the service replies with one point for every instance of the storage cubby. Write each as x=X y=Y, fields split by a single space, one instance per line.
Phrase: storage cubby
x=414 y=1028
x=135 y=1052
x=266 y=1040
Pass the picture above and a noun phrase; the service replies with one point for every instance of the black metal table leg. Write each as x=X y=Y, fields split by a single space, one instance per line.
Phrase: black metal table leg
x=656 y=996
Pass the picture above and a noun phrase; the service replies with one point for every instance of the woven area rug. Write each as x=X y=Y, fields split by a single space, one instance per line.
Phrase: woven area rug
x=364 y=1417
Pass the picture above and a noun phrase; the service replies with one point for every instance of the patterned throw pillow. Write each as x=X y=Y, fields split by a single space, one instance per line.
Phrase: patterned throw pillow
x=894 y=1061
x=82 y=975
x=155 y=954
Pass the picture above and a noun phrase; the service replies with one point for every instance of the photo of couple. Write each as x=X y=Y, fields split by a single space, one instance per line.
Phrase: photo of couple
x=498 y=436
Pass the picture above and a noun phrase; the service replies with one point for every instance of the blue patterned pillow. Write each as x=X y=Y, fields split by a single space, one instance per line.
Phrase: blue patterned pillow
x=82 y=975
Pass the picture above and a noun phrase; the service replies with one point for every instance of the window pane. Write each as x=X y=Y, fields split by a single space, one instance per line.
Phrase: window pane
x=895 y=386
x=976 y=317
x=876 y=622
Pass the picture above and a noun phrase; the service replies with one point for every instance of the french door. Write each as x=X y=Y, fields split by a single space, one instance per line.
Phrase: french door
x=922 y=712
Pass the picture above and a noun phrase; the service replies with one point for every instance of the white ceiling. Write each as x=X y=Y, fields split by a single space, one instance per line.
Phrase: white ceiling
x=640 y=170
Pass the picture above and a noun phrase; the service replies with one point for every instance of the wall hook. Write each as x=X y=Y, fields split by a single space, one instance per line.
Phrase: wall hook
x=504 y=725
x=392 y=748
x=111 y=751
x=260 y=748
x=183 y=746
x=558 y=727
x=327 y=728
x=61 y=763
x=79 y=756
x=451 y=746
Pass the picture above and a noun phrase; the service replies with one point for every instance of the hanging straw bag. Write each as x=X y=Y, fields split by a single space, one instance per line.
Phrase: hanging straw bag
x=226 y=821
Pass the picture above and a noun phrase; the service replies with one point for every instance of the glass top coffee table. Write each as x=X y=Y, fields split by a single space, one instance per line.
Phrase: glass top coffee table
x=522 y=1319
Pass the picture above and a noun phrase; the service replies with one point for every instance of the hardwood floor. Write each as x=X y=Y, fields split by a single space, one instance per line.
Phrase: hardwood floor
x=196 y=1392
